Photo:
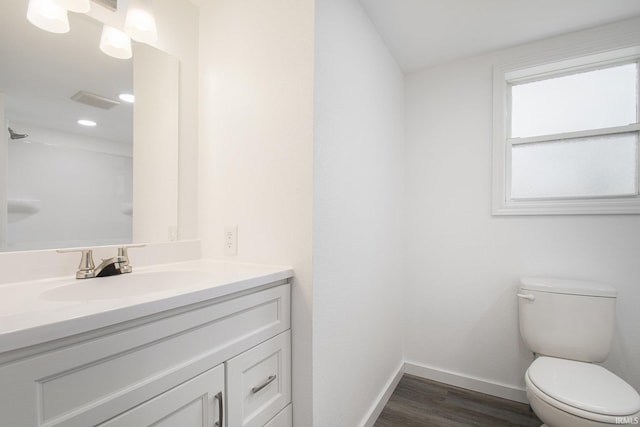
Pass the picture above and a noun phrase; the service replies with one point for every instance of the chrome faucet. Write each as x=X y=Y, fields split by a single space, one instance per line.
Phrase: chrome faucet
x=112 y=266
x=108 y=267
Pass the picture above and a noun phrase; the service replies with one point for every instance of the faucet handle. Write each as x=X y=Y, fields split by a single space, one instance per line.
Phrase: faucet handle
x=123 y=255
x=122 y=250
x=86 y=267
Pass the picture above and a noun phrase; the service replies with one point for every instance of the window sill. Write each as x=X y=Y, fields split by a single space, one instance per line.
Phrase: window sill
x=610 y=206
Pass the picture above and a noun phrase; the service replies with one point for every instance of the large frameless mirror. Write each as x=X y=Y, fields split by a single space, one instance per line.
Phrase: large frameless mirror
x=66 y=184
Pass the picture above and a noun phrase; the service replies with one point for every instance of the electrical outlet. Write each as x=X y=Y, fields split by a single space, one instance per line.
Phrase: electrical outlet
x=231 y=240
x=173 y=234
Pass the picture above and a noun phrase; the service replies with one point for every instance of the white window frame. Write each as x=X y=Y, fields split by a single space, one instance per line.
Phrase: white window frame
x=506 y=75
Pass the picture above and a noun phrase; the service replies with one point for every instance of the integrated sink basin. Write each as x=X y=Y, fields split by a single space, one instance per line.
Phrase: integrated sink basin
x=37 y=311
x=126 y=285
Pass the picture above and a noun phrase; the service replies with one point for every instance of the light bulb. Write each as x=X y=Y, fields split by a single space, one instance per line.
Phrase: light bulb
x=115 y=43
x=80 y=6
x=127 y=97
x=140 y=23
x=48 y=15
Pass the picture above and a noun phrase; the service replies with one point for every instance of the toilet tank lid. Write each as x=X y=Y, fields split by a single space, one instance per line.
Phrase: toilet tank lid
x=567 y=286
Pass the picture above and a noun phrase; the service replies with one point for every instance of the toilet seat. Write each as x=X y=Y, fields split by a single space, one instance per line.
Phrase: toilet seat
x=582 y=389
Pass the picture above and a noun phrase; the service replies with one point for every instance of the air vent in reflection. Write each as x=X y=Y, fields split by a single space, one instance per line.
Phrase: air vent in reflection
x=94 y=100
x=109 y=4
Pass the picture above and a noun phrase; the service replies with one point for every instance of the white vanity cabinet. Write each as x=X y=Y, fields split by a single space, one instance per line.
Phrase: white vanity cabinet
x=227 y=359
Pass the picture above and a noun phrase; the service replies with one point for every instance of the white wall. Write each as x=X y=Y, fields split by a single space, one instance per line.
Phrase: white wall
x=256 y=141
x=358 y=275
x=156 y=142
x=178 y=35
x=464 y=263
x=257 y=137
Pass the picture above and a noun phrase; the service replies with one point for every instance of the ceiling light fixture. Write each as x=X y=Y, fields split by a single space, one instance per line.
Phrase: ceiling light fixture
x=115 y=43
x=80 y=6
x=140 y=23
x=48 y=15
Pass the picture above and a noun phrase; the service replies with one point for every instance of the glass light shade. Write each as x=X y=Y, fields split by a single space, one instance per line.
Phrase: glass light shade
x=115 y=43
x=80 y=6
x=140 y=23
x=48 y=15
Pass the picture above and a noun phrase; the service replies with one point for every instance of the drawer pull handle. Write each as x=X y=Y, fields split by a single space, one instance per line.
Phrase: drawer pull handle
x=220 y=421
x=269 y=380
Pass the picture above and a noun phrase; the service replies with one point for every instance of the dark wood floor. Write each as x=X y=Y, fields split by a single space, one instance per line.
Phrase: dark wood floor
x=418 y=402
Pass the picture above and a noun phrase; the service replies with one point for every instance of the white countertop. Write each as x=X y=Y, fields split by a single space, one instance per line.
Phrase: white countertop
x=44 y=310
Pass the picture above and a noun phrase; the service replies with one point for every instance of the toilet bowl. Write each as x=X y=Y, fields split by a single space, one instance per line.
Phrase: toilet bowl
x=568 y=324
x=567 y=393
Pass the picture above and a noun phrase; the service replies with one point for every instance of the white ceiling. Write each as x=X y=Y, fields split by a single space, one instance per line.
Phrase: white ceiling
x=422 y=33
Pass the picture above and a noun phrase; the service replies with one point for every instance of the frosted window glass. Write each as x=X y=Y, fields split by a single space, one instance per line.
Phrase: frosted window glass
x=588 y=100
x=585 y=167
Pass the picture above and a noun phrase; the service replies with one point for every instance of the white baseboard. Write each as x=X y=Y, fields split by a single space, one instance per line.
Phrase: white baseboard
x=383 y=398
x=447 y=377
x=465 y=381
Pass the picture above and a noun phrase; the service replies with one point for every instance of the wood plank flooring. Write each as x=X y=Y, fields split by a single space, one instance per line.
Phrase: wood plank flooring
x=417 y=402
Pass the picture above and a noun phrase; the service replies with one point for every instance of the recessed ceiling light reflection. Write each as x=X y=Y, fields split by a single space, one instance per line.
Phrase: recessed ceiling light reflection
x=127 y=97
x=85 y=122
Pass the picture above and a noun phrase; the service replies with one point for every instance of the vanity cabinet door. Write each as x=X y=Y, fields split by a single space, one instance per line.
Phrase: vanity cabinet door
x=198 y=402
x=259 y=382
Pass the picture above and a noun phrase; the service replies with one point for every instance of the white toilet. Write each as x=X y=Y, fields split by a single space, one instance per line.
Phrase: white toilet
x=568 y=324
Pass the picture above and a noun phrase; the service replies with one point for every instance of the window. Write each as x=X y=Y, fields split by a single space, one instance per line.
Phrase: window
x=566 y=136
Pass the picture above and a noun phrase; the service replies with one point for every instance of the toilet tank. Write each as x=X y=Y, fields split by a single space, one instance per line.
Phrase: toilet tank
x=564 y=318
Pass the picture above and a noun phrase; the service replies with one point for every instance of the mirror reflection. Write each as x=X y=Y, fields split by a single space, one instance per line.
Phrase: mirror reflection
x=63 y=184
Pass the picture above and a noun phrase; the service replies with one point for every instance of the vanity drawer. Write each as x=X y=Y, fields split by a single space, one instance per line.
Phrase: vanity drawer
x=259 y=382
x=91 y=381
x=283 y=419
